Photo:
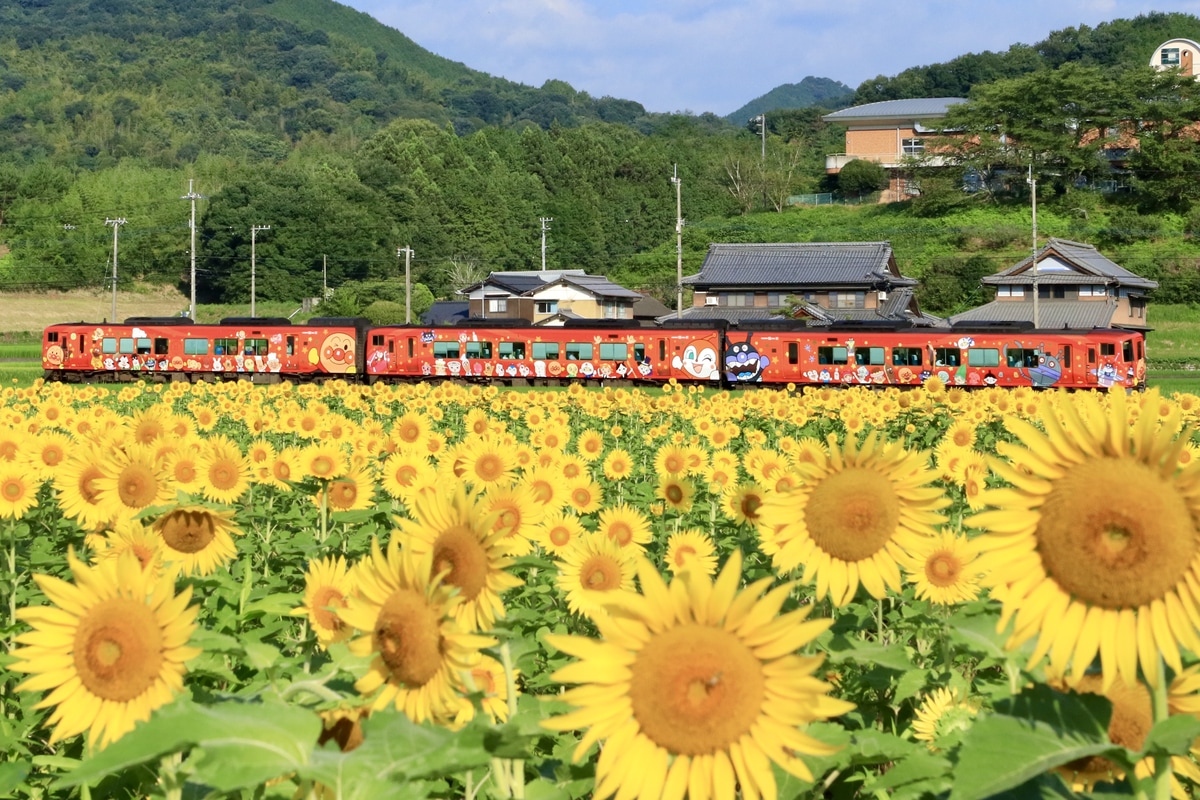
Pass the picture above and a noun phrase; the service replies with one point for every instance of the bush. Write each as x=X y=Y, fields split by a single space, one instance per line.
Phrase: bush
x=385 y=312
x=861 y=177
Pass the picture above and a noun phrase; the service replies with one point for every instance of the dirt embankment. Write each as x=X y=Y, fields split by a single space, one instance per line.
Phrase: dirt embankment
x=33 y=311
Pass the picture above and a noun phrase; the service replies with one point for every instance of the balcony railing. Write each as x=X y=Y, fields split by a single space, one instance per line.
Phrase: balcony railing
x=835 y=162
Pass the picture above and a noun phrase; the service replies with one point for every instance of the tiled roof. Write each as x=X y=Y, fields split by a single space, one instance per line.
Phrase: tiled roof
x=1052 y=314
x=901 y=109
x=729 y=313
x=1089 y=263
x=800 y=264
x=446 y=312
x=649 y=307
x=599 y=285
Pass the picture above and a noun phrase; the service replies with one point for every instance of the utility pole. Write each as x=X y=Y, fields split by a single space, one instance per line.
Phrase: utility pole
x=545 y=227
x=1033 y=197
x=254 y=229
x=407 y=252
x=678 y=243
x=116 y=226
x=191 y=195
x=324 y=277
x=761 y=119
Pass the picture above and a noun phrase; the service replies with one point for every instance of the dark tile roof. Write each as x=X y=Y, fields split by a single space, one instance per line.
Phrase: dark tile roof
x=899 y=109
x=800 y=264
x=596 y=284
x=729 y=313
x=1088 y=262
x=1052 y=314
x=649 y=308
x=446 y=312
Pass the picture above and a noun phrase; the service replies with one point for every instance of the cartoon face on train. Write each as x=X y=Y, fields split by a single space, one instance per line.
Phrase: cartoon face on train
x=336 y=353
x=699 y=360
x=743 y=362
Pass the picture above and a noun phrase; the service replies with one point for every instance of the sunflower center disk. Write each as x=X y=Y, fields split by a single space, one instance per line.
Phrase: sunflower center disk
x=13 y=490
x=560 y=536
x=187 y=531
x=943 y=569
x=137 y=487
x=459 y=552
x=1113 y=533
x=118 y=649
x=408 y=637
x=696 y=689
x=600 y=573
x=853 y=513
x=324 y=599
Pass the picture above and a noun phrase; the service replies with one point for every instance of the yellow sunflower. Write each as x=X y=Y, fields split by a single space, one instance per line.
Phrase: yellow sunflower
x=131 y=480
x=462 y=543
x=405 y=472
x=944 y=569
x=197 y=538
x=486 y=461
x=322 y=461
x=18 y=489
x=112 y=647
x=618 y=465
x=943 y=712
x=132 y=537
x=590 y=444
x=697 y=690
x=548 y=486
x=224 y=470
x=858 y=510
x=351 y=491
x=557 y=530
x=585 y=495
x=488 y=680
x=418 y=652
x=410 y=431
x=625 y=525
x=327 y=584
x=76 y=483
x=47 y=452
x=671 y=459
x=593 y=569
x=743 y=503
x=516 y=511
x=691 y=549
x=1096 y=544
x=677 y=492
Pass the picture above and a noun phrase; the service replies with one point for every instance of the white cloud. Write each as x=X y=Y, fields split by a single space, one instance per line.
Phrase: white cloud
x=716 y=55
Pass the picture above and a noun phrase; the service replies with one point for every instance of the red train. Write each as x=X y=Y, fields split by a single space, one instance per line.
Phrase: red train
x=767 y=353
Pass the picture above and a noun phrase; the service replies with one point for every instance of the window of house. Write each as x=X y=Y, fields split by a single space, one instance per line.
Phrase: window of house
x=1169 y=57
x=545 y=350
x=497 y=305
x=983 y=357
x=738 y=299
x=1137 y=307
x=847 y=299
x=777 y=299
x=1055 y=292
x=906 y=356
x=547 y=306
x=912 y=147
x=511 y=351
x=614 y=309
x=1092 y=291
x=1010 y=291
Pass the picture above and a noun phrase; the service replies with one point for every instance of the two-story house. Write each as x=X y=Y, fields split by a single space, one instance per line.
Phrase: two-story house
x=826 y=281
x=888 y=133
x=1075 y=286
x=543 y=297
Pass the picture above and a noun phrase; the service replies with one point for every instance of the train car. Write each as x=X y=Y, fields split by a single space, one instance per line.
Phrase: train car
x=174 y=348
x=523 y=354
x=1001 y=355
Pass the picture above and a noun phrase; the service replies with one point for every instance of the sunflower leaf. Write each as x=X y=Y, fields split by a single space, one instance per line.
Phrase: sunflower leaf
x=12 y=775
x=1173 y=736
x=1034 y=732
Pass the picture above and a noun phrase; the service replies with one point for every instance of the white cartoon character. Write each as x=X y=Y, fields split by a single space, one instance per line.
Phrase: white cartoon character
x=524 y=370
x=426 y=369
x=699 y=360
x=455 y=367
x=587 y=369
x=123 y=362
x=539 y=369
x=217 y=365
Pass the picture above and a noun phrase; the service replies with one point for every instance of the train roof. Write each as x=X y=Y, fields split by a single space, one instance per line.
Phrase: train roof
x=159 y=321
x=340 y=322
x=259 y=321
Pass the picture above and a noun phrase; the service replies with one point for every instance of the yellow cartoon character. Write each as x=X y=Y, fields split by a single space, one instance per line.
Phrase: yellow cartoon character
x=337 y=353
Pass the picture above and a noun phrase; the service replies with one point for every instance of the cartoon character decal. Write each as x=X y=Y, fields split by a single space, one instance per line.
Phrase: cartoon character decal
x=699 y=360
x=337 y=353
x=743 y=362
x=54 y=356
x=1049 y=368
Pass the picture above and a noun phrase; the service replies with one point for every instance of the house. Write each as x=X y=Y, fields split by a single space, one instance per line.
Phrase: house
x=888 y=133
x=825 y=281
x=538 y=296
x=446 y=312
x=1075 y=286
x=1177 y=54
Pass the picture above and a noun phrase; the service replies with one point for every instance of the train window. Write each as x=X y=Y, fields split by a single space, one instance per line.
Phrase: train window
x=793 y=352
x=162 y=346
x=109 y=345
x=392 y=345
x=143 y=346
x=983 y=357
x=579 y=351
x=869 y=355
x=255 y=347
x=1108 y=349
x=662 y=349
x=225 y=347
x=511 y=351
x=906 y=356
x=479 y=349
x=52 y=336
x=614 y=351
x=1140 y=353
x=1127 y=350
x=832 y=355
x=639 y=353
x=291 y=345
x=1021 y=357
x=195 y=347
x=1091 y=355
x=377 y=340
x=1065 y=361
x=445 y=349
x=126 y=345
x=947 y=356
x=545 y=350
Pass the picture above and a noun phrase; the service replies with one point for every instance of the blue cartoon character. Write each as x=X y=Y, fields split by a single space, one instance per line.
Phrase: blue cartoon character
x=743 y=362
x=1046 y=372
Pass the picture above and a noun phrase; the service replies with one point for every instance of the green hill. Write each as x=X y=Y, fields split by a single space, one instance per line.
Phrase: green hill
x=823 y=92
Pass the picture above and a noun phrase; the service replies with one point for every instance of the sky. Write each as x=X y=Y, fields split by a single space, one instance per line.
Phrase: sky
x=717 y=55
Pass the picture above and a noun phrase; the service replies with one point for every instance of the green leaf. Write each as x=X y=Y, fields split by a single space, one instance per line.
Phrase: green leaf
x=921 y=767
x=977 y=633
x=1038 y=730
x=910 y=684
x=260 y=655
x=243 y=744
x=1173 y=736
x=12 y=775
x=844 y=648
x=277 y=604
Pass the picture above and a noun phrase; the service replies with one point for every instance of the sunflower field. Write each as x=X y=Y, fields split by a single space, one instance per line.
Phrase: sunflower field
x=436 y=591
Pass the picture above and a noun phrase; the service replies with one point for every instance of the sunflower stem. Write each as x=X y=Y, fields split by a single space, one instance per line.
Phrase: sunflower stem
x=1162 y=761
x=324 y=505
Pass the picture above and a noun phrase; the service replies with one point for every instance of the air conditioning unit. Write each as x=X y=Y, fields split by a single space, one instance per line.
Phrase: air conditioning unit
x=882 y=296
x=711 y=300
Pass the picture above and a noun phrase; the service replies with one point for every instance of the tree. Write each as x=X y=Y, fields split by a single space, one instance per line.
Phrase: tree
x=861 y=177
